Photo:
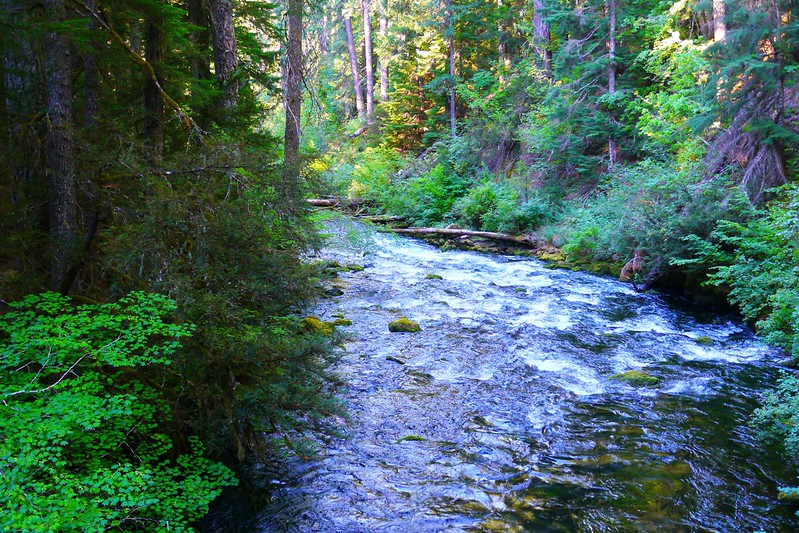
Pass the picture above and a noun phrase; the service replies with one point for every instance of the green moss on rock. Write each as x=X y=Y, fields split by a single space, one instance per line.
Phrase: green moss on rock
x=355 y=267
x=636 y=377
x=342 y=322
x=704 y=341
x=404 y=325
x=316 y=326
x=433 y=276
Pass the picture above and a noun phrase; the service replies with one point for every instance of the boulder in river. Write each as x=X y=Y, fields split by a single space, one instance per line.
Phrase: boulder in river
x=636 y=377
x=404 y=325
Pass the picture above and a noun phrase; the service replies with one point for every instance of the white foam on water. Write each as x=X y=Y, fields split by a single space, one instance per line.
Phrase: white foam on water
x=573 y=377
x=644 y=324
x=692 y=387
x=580 y=298
x=696 y=352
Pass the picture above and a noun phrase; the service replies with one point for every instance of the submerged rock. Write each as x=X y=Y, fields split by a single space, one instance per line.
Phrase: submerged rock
x=636 y=377
x=404 y=325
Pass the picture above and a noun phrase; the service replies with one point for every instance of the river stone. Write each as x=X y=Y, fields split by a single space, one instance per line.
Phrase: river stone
x=404 y=325
x=636 y=377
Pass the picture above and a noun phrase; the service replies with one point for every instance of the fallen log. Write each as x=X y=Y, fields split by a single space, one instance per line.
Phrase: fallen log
x=337 y=202
x=457 y=232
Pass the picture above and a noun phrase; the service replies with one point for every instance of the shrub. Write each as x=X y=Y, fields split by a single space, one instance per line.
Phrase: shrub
x=83 y=445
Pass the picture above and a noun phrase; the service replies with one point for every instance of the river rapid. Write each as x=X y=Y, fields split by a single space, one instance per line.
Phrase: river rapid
x=505 y=413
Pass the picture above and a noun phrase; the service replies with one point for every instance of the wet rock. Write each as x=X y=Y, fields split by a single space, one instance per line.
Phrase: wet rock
x=342 y=322
x=433 y=276
x=704 y=341
x=404 y=325
x=636 y=377
x=333 y=291
x=394 y=359
x=355 y=267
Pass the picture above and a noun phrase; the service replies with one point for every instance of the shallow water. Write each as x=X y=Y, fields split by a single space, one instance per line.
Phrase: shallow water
x=502 y=413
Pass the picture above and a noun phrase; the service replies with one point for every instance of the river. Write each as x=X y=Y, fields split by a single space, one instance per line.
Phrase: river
x=506 y=412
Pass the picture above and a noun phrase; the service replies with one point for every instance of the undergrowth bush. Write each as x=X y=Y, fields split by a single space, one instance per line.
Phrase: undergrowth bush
x=652 y=208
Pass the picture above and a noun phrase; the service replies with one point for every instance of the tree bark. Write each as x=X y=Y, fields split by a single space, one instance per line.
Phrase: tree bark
x=226 y=55
x=60 y=145
x=369 y=61
x=542 y=38
x=356 y=81
x=611 y=4
x=153 y=98
x=719 y=27
x=22 y=101
x=383 y=56
x=293 y=93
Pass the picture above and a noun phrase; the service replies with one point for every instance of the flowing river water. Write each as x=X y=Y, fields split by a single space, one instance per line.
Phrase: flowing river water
x=503 y=413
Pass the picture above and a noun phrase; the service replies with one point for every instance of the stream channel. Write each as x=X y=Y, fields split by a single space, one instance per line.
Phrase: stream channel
x=503 y=414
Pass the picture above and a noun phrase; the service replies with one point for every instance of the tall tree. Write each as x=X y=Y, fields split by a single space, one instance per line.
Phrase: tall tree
x=60 y=145
x=383 y=56
x=154 y=44
x=611 y=6
x=369 y=61
x=293 y=90
x=541 y=37
x=453 y=126
x=355 y=72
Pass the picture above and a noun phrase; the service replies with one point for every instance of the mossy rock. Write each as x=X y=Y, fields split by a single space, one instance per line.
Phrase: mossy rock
x=355 y=267
x=433 y=276
x=416 y=438
x=636 y=377
x=342 y=322
x=316 y=326
x=552 y=256
x=704 y=341
x=404 y=325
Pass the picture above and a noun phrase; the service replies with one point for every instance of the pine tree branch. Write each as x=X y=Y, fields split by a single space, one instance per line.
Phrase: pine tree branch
x=187 y=121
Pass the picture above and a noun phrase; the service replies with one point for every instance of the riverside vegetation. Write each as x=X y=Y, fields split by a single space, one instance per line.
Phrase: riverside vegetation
x=156 y=167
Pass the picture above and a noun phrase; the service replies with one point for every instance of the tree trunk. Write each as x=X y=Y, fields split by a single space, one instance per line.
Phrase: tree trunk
x=542 y=38
x=60 y=145
x=356 y=79
x=504 y=63
x=91 y=70
x=293 y=92
x=368 y=60
x=383 y=57
x=719 y=27
x=22 y=101
x=153 y=98
x=226 y=56
x=451 y=46
x=611 y=4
